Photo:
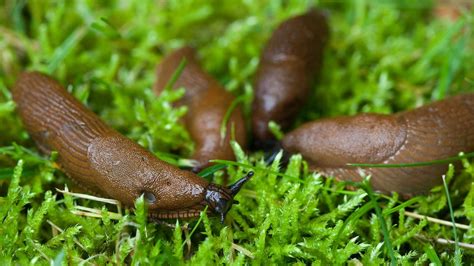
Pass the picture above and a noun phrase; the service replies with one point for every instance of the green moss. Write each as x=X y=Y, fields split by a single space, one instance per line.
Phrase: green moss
x=384 y=56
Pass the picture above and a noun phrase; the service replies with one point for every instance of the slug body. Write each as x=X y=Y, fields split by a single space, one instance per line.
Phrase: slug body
x=289 y=63
x=431 y=132
x=103 y=161
x=207 y=104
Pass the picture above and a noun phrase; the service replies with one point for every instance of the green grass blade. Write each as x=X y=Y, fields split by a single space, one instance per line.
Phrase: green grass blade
x=402 y=206
x=354 y=217
x=65 y=49
x=207 y=172
x=176 y=74
x=196 y=225
x=451 y=68
x=431 y=253
x=228 y=113
x=386 y=235
x=417 y=164
x=457 y=251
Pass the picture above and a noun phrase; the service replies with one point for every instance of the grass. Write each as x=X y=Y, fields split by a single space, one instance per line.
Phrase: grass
x=384 y=56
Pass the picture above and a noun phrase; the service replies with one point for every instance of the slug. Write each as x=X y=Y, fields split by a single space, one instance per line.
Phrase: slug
x=436 y=131
x=103 y=161
x=288 y=65
x=207 y=104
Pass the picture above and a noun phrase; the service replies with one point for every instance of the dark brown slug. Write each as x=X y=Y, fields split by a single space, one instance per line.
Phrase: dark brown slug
x=101 y=160
x=288 y=65
x=207 y=104
x=431 y=132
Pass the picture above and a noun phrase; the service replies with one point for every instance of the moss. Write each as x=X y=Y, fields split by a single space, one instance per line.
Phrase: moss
x=384 y=56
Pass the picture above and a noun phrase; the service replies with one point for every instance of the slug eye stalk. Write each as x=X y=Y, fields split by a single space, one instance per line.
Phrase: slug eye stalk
x=235 y=188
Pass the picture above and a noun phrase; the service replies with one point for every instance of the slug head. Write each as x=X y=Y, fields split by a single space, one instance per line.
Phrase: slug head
x=220 y=199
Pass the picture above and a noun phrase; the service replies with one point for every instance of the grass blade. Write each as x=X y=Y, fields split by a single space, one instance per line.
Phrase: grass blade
x=457 y=251
x=386 y=235
x=211 y=170
x=65 y=48
x=417 y=164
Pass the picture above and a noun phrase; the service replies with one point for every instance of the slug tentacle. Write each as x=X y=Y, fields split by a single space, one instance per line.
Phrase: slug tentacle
x=235 y=188
x=101 y=159
x=207 y=104
x=432 y=132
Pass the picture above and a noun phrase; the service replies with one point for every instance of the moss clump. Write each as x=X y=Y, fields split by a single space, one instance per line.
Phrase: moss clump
x=382 y=57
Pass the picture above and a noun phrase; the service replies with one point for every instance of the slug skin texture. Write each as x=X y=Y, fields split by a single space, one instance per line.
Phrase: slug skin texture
x=103 y=161
x=436 y=131
x=288 y=66
x=207 y=104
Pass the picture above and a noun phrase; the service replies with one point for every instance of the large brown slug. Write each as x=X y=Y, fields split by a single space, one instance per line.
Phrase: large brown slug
x=435 y=131
x=207 y=104
x=102 y=160
x=288 y=65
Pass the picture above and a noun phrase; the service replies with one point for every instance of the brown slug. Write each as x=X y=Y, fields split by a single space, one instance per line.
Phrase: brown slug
x=436 y=131
x=103 y=161
x=207 y=104
x=288 y=65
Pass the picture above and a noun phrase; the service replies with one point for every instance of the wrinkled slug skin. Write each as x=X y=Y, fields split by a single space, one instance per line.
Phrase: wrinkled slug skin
x=289 y=63
x=98 y=157
x=207 y=104
x=431 y=132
